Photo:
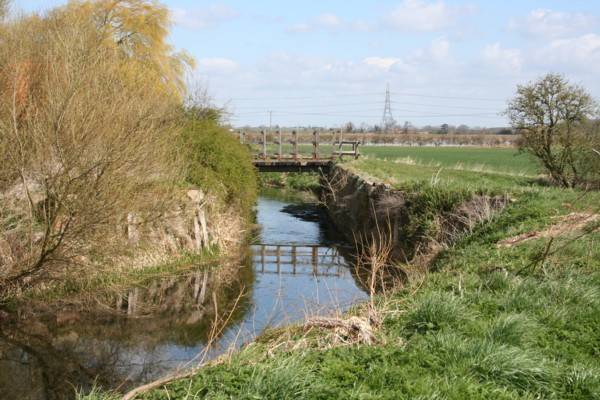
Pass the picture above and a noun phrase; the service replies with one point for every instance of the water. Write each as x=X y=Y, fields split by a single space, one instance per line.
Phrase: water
x=295 y=268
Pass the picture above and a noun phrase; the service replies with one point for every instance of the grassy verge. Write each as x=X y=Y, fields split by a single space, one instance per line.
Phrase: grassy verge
x=487 y=321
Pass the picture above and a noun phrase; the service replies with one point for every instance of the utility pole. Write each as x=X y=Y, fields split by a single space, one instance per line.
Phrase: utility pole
x=387 y=121
x=270 y=120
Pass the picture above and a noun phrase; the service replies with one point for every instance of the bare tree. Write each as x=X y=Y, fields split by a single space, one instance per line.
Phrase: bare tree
x=550 y=114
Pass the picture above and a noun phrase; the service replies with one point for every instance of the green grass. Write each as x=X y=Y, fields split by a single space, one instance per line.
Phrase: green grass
x=487 y=322
x=400 y=174
x=482 y=326
x=492 y=159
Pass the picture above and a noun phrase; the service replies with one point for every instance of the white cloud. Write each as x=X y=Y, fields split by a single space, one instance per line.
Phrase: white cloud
x=381 y=62
x=300 y=28
x=217 y=65
x=437 y=52
x=503 y=59
x=439 y=49
x=203 y=18
x=425 y=16
x=578 y=53
x=549 y=24
x=329 y=22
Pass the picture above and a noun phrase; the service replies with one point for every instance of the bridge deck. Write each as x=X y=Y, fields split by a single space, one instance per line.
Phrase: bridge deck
x=296 y=162
x=292 y=165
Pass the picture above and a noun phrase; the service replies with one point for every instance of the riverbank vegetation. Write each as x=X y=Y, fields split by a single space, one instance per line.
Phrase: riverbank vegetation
x=508 y=310
x=305 y=182
x=103 y=146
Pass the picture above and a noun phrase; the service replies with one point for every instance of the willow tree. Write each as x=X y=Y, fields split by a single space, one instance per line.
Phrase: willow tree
x=89 y=101
x=554 y=119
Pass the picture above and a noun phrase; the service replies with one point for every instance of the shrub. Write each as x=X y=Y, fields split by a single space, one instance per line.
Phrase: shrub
x=215 y=160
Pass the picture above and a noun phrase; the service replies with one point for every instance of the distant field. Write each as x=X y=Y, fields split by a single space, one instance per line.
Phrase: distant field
x=399 y=174
x=493 y=159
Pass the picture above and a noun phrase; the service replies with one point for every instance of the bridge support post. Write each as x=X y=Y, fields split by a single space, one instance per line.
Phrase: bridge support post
x=295 y=144
x=280 y=145
x=315 y=155
x=264 y=144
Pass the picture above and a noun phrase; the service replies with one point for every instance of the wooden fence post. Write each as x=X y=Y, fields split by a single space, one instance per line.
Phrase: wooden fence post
x=280 y=144
x=315 y=145
x=295 y=144
x=264 y=144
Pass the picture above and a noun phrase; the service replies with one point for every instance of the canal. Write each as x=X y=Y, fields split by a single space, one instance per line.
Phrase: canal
x=294 y=268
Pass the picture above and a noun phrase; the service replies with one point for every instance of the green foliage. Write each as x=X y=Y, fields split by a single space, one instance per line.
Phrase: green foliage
x=552 y=115
x=217 y=162
x=294 y=181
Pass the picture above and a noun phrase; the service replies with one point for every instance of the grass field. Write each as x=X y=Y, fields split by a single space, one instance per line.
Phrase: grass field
x=487 y=321
x=497 y=159
x=488 y=158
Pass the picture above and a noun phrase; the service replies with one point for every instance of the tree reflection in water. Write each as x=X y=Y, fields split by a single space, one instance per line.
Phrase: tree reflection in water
x=120 y=340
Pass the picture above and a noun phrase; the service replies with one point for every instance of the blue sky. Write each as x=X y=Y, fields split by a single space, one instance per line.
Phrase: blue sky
x=328 y=62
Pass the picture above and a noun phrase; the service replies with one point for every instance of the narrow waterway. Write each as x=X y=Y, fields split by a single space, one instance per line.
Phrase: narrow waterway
x=295 y=268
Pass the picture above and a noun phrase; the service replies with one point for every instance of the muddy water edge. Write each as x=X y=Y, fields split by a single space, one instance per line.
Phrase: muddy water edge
x=294 y=267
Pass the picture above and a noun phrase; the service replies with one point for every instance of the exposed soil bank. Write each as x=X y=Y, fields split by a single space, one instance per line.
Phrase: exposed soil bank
x=415 y=221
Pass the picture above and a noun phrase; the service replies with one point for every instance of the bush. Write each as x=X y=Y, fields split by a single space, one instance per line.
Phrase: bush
x=216 y=161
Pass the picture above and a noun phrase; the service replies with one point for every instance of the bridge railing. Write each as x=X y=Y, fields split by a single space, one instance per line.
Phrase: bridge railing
x=286 y=146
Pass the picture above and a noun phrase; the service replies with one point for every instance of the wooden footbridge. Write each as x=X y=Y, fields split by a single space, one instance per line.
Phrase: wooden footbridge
x=272 y=158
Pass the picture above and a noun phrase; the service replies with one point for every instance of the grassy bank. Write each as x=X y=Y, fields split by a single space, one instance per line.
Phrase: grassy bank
x=306 y=182
x=498 y=315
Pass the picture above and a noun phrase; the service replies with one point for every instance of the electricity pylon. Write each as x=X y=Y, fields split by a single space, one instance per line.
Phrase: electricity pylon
x=387 y=122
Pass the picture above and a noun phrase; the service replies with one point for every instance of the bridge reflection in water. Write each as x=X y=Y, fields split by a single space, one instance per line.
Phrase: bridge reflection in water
x=298 y=259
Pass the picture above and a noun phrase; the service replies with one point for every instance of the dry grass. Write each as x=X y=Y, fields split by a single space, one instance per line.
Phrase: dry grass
x=568 y=224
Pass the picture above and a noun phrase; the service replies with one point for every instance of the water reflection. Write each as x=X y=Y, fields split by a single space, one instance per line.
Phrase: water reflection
x=125 y=339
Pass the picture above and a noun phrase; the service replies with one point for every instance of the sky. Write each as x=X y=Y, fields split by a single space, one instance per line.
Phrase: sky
x=328 y=62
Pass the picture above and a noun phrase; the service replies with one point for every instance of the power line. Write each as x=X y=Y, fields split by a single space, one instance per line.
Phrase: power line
x=447 y=97
x=336 y=96
x=345 y=114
